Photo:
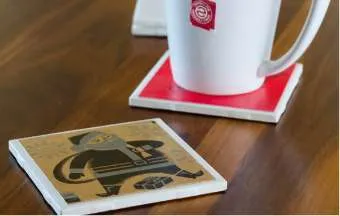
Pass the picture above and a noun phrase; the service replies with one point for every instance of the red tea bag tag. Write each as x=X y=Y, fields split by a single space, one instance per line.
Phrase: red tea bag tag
x=203 y=13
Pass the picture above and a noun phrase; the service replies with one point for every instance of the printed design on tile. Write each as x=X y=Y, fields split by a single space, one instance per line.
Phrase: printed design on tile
x=113 y=160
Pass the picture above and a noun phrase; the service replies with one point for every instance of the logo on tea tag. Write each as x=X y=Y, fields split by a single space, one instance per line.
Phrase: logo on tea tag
x=203 y=14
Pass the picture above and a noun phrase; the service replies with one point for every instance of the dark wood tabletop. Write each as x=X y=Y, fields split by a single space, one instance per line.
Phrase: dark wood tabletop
x=69 y=64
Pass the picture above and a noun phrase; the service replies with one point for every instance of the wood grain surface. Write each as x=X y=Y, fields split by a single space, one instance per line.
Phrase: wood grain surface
x=68 y=64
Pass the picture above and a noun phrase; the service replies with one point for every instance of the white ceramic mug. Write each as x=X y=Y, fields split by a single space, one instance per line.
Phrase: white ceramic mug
x=233 y=58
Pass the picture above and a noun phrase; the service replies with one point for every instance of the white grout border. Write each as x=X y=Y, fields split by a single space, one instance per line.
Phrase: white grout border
x=53 y=197
x=188 y=107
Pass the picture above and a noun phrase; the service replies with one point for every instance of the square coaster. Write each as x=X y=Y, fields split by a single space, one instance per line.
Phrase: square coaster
x=159 y=91
x=114 y=166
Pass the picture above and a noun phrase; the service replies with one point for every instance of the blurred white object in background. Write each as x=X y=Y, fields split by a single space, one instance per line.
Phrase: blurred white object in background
x=149 y=18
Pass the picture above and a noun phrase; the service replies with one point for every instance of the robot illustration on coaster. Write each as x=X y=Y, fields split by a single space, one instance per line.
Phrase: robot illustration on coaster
x=113 y=160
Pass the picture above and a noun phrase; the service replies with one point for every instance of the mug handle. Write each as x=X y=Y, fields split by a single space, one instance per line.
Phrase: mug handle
x=315 y=17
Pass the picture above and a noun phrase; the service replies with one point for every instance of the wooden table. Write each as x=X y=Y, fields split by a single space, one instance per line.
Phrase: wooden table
x=67 y=64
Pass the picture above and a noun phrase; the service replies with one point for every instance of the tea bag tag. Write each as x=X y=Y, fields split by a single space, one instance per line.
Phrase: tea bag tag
x=203 y=14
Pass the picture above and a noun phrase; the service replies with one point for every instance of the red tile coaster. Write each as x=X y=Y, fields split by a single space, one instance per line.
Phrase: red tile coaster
x=271 y=98
x=162 y=86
